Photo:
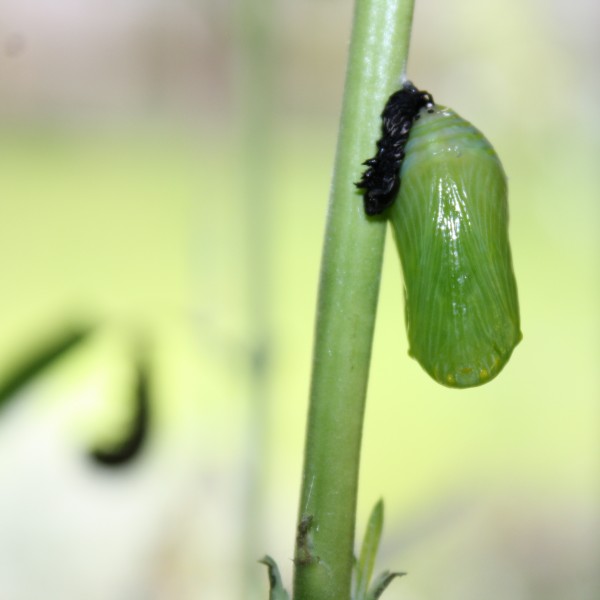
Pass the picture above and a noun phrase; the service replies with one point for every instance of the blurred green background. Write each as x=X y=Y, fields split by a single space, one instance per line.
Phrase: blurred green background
x=135 y=194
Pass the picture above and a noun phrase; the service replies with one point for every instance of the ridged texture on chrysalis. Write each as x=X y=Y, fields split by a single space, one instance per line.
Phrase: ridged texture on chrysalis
x=451 y=226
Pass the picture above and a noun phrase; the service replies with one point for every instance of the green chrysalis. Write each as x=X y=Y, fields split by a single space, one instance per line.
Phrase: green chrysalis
x=451 y=226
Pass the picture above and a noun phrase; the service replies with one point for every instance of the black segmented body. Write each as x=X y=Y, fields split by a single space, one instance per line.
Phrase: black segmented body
x=381 y=181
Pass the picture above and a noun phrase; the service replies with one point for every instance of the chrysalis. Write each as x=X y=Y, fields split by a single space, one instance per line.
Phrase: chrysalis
x=451 y=226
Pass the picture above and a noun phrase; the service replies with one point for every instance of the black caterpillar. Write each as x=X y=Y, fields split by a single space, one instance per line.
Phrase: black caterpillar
x=381 y=181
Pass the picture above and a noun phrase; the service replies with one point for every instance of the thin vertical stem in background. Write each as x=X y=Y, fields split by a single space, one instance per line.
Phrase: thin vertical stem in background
x=347 y=304
x=256 y=76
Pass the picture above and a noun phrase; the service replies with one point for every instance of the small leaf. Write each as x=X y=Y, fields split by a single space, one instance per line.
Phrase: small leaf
x=380 y=584
x=40 y=358
x=277 y=591
x=131 y=444
x=364 y=567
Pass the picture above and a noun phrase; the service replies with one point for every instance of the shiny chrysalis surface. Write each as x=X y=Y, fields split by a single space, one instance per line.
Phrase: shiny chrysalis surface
x=450 y=222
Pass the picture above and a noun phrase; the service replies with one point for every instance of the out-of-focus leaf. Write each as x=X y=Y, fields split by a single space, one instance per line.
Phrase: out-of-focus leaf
x=380 y=584
x=39 y=358
x=277 y=591
x=131 y=444
x=366 y=561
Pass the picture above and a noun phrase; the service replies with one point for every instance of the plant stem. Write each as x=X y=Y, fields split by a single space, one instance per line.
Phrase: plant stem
x=347 y=303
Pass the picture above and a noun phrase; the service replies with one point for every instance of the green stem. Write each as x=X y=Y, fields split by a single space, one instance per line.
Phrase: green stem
x=347 y=304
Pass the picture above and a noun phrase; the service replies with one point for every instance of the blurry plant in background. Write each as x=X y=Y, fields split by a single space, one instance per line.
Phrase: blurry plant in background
x=122 y=204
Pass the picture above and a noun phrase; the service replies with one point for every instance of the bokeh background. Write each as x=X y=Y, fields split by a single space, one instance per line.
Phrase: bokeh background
x=164 y=174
